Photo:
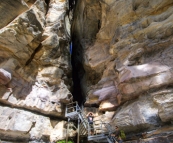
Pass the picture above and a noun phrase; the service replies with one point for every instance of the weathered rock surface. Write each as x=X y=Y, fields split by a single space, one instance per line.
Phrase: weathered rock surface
x=5 y=77
x=17 y=7
x=34 y=84
x=35 y=69
x=126 y=57
x=23 y=126
x=138 y=115
x=164 y=139
x=122 y=58
x=164 y=103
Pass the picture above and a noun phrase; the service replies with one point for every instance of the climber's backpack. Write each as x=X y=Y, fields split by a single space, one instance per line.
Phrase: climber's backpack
x=122 y=134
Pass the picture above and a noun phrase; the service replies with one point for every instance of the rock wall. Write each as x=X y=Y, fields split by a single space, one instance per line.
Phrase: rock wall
x=124 y=49
x=35 y=69
x=122 y=58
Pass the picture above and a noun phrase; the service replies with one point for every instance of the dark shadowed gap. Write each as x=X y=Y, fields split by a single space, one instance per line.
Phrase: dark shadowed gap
x=33 y=54
x=77 y=73
x=72 y=4
x=47 y=2
x=76 y=61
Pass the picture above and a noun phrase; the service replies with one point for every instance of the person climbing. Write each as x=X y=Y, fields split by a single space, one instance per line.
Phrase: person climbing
x=90 y=117
x=117 y=135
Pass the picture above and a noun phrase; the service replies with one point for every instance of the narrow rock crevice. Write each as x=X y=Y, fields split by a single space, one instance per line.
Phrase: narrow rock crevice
x=77 y=74
x=47 y=2
x=33 y=54
x=83 y=35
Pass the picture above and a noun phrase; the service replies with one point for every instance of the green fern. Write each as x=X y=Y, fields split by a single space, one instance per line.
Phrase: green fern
x=122 y=134
x=63 y=141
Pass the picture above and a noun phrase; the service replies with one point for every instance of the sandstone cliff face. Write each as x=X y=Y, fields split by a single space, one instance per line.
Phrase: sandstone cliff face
x=125 y=49
x=122 y=58
x=35 y=70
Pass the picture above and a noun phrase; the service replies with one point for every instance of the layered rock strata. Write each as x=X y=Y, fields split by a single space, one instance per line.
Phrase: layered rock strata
x=125 y=49
x=24 y=126
x=35 y=69
x=122 y=54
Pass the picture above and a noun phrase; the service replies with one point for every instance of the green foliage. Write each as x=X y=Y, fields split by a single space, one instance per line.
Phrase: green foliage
x=63 y=141
x=122 y=134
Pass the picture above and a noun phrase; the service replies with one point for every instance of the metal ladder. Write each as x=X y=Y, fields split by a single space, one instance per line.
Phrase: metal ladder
x=102 y=131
